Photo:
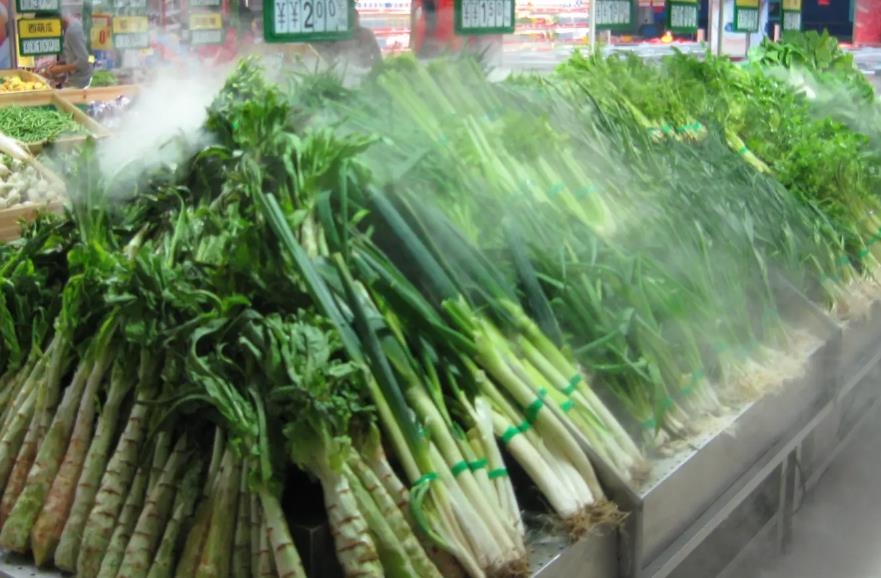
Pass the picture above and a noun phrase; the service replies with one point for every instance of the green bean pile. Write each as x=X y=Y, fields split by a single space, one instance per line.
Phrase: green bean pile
x=34 y=124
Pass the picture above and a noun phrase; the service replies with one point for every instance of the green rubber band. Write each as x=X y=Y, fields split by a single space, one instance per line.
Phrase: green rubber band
x=427 y=478
x=459 y=468
x=584 y=192
x=667 y=129
x=742 y=150
x=844 y=260
x=667 y=403
x=573 y=383
x=567 y=405
x=524 y=427
x=477 y=465
x=510 y=434
x=499 y=473
x=535 y=407
x=649 y=424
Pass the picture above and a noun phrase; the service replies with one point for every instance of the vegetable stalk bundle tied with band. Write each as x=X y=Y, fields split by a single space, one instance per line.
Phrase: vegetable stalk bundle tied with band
x=427 y=319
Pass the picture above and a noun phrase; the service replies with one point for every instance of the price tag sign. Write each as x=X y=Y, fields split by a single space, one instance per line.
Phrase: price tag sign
x=206 y=28
x=130 y=5
x=101 y=32
x=40 y=36
x=476 y=17
x=22 y=6
x=204 y=3
x=615 y=14
x=682 y=16
x=131 y=32
x=746 y=15
x=791 y=16
x=307 y=20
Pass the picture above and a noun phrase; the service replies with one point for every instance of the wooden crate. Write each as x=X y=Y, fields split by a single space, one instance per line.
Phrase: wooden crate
x=53 y=99
x=79 y=96
x=12 y=218
x=27 y=76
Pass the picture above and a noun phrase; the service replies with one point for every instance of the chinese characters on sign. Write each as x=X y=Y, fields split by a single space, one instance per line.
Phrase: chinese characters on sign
x=131 y=32
x=682 y=16
x=475 y=17
x=304 y=20
x=37 y=6
x=206 y=28
x=39 y=36
x=615 y=14
x=791 y=15
x=746 y=15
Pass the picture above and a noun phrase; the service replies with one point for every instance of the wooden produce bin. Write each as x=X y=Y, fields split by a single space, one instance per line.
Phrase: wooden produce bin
x=25 y=75
x=11 y=218
x=44 y=99
x=80 y=96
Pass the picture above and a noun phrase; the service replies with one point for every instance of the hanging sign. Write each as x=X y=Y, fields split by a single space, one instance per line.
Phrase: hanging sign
x=101 y=33
x=206 y=28
x=746 y=15
x=130 y=32
x=40 y=36
x=204 y=3
x=477 y=17
x=22 y=6
x=615 y=14
x=682 y=16
x=307 y=20
x=791 y=20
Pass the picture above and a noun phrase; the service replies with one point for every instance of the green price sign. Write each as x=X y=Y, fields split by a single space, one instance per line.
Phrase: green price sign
x=40 y=36
x=477 y=17
x=746 y=16
x=791 y=15
x=615 y=14
x=23 y=6
x=682 y=16
x=307 y=20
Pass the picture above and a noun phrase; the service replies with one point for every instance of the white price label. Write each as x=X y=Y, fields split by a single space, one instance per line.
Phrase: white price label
x=683 y=17
x=613 y=12
x=747 y=20
x=792 y=21
x=131 y=41
x=311 y=16
x=40 y=46
x=486 y=14
x=206 y=37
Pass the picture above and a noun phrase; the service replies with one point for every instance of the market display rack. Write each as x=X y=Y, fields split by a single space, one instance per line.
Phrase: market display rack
x=731 y=493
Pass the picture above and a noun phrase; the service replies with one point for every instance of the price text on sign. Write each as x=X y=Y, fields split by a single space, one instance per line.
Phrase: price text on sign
x=792 y=21
x=305 y=20
x=201 y=37
x=746 y=3
x=204 y=3
x=130 y=24
x=682 y=17
x=131 y=41
x=474 y=17
x=612 y=14
x=38 y=5
x=205 y=21
x=746 y=19
x=101 y=33
x=792 y=5
x=39 y=46
x=130 y=4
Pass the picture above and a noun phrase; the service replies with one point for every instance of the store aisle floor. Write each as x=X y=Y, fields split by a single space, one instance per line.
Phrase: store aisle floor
x=837 y=531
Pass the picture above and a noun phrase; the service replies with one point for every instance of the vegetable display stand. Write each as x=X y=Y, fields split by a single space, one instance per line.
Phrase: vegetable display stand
x=78 y=96
x=27 y=76
x=11 y=219
x=52 y=100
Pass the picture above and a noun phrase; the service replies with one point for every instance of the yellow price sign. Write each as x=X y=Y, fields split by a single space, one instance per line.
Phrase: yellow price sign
x=747 y=3
x=205 y=21
x=792 y=5
x=40 y=28
x=101 y=32
x=130 y=24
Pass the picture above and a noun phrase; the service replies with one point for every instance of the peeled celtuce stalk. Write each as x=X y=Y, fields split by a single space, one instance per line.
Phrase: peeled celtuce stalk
x=93 y=468
x=109 y=565
x=151 y=522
